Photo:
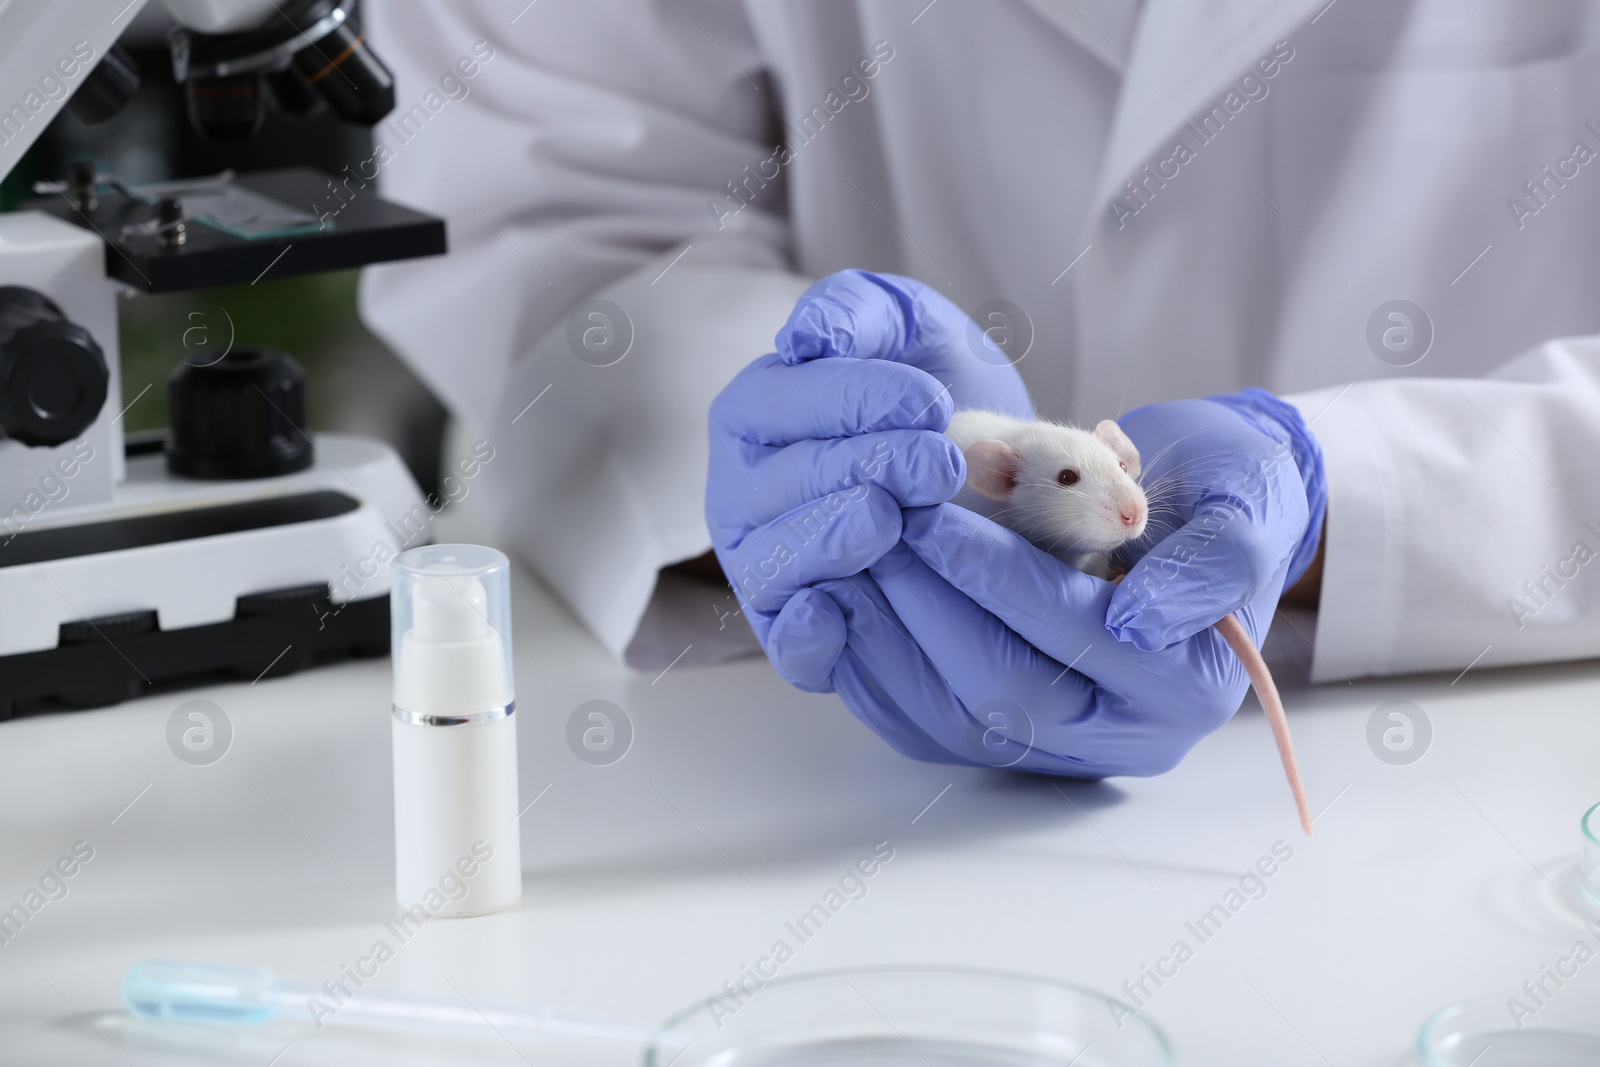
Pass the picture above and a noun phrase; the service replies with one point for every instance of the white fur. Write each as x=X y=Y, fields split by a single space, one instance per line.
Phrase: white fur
x=1081 y=524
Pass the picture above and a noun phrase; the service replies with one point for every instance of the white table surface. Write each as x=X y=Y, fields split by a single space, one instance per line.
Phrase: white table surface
x=651 y=881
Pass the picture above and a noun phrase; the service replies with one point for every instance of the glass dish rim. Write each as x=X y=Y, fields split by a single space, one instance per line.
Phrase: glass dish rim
x=1163 y=1043
x=1426 y=1055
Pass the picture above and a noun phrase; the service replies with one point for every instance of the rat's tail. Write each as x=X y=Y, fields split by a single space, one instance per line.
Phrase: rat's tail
x=1233 y=632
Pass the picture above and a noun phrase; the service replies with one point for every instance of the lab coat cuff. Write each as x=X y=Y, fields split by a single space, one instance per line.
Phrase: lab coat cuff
x=1358 y=603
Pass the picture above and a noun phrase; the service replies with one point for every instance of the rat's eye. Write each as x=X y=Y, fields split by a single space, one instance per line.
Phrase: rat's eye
x=1123 y=465
x=1067 y=476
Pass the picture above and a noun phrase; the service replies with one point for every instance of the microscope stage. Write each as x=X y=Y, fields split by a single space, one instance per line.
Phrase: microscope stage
x=360 y=228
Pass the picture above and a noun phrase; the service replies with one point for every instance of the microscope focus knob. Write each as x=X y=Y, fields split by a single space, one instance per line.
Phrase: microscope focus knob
x=53 y=377
x=242 y=416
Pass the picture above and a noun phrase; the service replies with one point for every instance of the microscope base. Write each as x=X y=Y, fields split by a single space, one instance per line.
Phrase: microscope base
x=280 y=630
x=181 y=582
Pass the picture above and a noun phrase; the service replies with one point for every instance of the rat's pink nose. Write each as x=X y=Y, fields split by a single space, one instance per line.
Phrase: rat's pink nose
x=1131 y=514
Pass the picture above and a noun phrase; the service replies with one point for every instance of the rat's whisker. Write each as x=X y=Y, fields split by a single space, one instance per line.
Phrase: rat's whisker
x=1153 y=460
x=1190 y=462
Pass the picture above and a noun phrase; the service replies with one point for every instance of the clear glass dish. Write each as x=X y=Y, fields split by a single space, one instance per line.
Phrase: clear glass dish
x=915 y=1016
x=1562 y=1031
x=1589 y=863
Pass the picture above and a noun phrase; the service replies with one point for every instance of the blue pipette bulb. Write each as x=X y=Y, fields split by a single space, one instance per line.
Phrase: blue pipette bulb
x=161 y=989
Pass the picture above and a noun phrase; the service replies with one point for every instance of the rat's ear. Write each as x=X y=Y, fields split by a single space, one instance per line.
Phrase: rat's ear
x=992 y=468
x=1111 y=435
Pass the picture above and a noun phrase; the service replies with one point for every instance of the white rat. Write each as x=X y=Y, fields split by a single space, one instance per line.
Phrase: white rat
x=1075 y=493
x=1071 y=492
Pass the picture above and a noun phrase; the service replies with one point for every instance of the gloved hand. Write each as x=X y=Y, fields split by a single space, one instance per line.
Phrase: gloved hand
x=816 y=448
x=916 y=646
x=970 y=645
x=1242 y=493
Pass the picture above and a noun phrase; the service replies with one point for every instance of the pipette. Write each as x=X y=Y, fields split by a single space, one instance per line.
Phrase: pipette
x=249 y=996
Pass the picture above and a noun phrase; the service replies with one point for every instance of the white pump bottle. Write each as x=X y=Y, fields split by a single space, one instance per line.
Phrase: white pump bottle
x=454 y=732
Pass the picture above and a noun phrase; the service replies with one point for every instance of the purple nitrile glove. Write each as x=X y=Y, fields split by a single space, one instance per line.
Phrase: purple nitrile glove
x=817 y=447
x=1242 y=493
x=981 y=648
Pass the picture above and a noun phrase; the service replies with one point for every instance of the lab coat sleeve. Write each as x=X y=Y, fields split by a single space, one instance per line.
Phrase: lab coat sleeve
x=1463 y=518
x=588 y=158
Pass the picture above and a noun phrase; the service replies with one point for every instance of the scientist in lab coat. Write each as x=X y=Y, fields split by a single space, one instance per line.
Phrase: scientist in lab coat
x=1384 y=212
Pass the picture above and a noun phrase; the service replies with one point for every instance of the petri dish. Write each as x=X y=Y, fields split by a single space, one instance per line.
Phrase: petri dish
x=912 y=1016
x=1561 y=1031
x=1589 y=857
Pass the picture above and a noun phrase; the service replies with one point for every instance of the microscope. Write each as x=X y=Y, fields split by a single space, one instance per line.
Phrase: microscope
x=236 y=544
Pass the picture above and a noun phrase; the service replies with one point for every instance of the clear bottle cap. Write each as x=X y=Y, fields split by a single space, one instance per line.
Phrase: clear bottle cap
x=450 y=616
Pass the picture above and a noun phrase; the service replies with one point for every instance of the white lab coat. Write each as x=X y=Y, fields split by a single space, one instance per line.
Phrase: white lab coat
x=1337 y=157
